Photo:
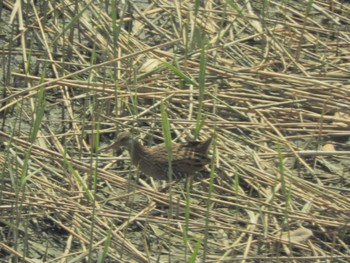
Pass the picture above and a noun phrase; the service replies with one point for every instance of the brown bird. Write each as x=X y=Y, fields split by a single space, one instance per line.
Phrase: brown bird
x=153 y=161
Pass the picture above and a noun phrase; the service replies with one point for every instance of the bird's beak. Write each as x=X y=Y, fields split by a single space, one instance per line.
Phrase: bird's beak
x=114 y=145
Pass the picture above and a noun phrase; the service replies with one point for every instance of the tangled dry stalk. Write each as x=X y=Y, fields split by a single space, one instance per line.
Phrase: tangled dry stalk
x=270 y=79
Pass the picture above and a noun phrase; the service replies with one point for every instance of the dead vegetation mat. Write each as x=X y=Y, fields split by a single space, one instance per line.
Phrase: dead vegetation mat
x=269 y=80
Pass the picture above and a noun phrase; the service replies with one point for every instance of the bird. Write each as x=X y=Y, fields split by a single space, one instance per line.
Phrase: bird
x=187 y=158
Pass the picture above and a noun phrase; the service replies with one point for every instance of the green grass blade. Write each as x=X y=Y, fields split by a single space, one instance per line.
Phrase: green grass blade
x=195 y=251
x=179 y=73
x=209 y=201
x=167 y=138
x=202 y=77
x=71 y=23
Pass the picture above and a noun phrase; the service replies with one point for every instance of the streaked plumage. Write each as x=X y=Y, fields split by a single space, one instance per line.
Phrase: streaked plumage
x=153 y=161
